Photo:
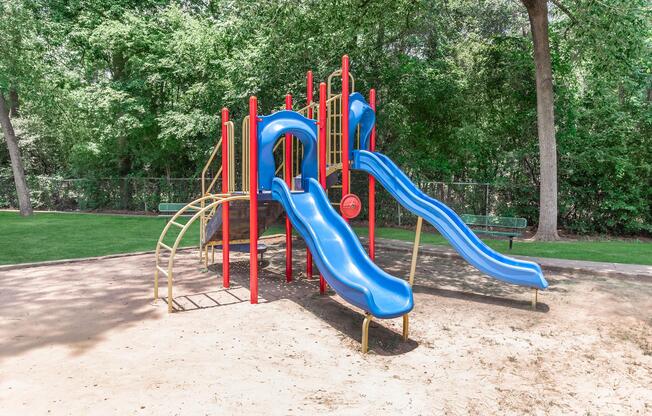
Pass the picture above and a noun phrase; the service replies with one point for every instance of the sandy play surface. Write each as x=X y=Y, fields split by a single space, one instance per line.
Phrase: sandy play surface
x=87 y=338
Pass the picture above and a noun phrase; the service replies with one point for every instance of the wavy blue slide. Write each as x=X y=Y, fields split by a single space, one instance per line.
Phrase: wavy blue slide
x=339 y=255
x=448 y=223
x=334 y=246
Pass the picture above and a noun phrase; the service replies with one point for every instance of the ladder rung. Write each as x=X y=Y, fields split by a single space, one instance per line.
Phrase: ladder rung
x=166 y=246
x=195 y=207
x=335 y=203
x=336 y=186
x=162 y=270
x=177 y=224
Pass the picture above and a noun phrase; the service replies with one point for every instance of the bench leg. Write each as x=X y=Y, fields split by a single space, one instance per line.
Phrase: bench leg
x=511 y=240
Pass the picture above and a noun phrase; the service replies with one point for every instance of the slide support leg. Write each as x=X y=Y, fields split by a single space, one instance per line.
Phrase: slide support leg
x=535 y=295
x=365 y=332
x=415 y=250
x=406 y=326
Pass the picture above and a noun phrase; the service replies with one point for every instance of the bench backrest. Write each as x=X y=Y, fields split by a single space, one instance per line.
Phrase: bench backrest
x=168 y=207
x=491 y=221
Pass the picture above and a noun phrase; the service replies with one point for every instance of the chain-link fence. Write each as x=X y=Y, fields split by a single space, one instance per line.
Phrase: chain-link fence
x=467 y=198
x=101 y=194
x=144 y=194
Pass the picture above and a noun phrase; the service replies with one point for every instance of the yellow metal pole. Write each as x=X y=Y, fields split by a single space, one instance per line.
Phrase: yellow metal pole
x=206 y=256
x=365 y=332
x=170 y=310
x=156 y=283
x=406 y=326
x=415 y=251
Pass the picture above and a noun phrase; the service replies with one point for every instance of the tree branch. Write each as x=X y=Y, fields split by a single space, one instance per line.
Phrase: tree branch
x=565 y=9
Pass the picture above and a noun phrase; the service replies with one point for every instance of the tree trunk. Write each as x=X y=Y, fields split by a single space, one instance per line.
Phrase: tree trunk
x=16 y=161
x=538 y=15
x=13 y=98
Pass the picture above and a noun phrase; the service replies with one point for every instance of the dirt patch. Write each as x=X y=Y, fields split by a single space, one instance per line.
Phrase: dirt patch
x=86 y=338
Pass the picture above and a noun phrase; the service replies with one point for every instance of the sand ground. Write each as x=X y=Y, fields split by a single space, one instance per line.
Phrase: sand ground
x=87 y=338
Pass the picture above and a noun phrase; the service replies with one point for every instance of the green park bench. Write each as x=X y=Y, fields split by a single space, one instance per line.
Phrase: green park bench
x=168 y=209
x=499 y=226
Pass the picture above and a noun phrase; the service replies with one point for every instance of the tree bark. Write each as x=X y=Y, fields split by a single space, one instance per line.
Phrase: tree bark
x=538 y=15
x=13 y=99
x=16 y=161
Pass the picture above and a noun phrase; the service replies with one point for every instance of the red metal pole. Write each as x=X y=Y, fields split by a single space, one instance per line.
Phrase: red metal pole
x=253 y=199
x=345 y=126
x=309 y=99
x=372 y=185
x=322 y=155
x=322 y=134
x=309 y=83
x=225 y=206
x=288 y=181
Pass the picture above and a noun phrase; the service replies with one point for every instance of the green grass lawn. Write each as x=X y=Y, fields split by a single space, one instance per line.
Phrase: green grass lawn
x=54 y=236
x=616 y=251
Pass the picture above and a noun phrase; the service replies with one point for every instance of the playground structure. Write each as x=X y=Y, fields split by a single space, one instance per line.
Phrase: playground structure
x=316 y=147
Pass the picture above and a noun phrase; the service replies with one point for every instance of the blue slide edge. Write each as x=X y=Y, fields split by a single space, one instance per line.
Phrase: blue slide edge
x=448 y=223
x=339 y=255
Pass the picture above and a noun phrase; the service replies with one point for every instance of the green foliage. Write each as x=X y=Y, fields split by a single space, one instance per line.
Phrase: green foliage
x=134 y=89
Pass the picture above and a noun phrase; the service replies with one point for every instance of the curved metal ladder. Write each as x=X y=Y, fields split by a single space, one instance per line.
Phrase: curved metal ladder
x=217 y=199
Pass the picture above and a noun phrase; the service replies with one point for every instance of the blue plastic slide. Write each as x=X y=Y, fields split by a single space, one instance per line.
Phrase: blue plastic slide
x=339 y=255
x=449 y=224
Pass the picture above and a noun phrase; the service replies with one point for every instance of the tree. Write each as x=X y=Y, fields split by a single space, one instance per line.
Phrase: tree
x=11 y=24
x=16 y=161
x=538 y=14
x=119 y=88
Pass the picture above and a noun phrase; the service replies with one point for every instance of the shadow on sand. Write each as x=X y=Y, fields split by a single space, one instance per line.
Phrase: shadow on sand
x=272 y=287
x=77 y=304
